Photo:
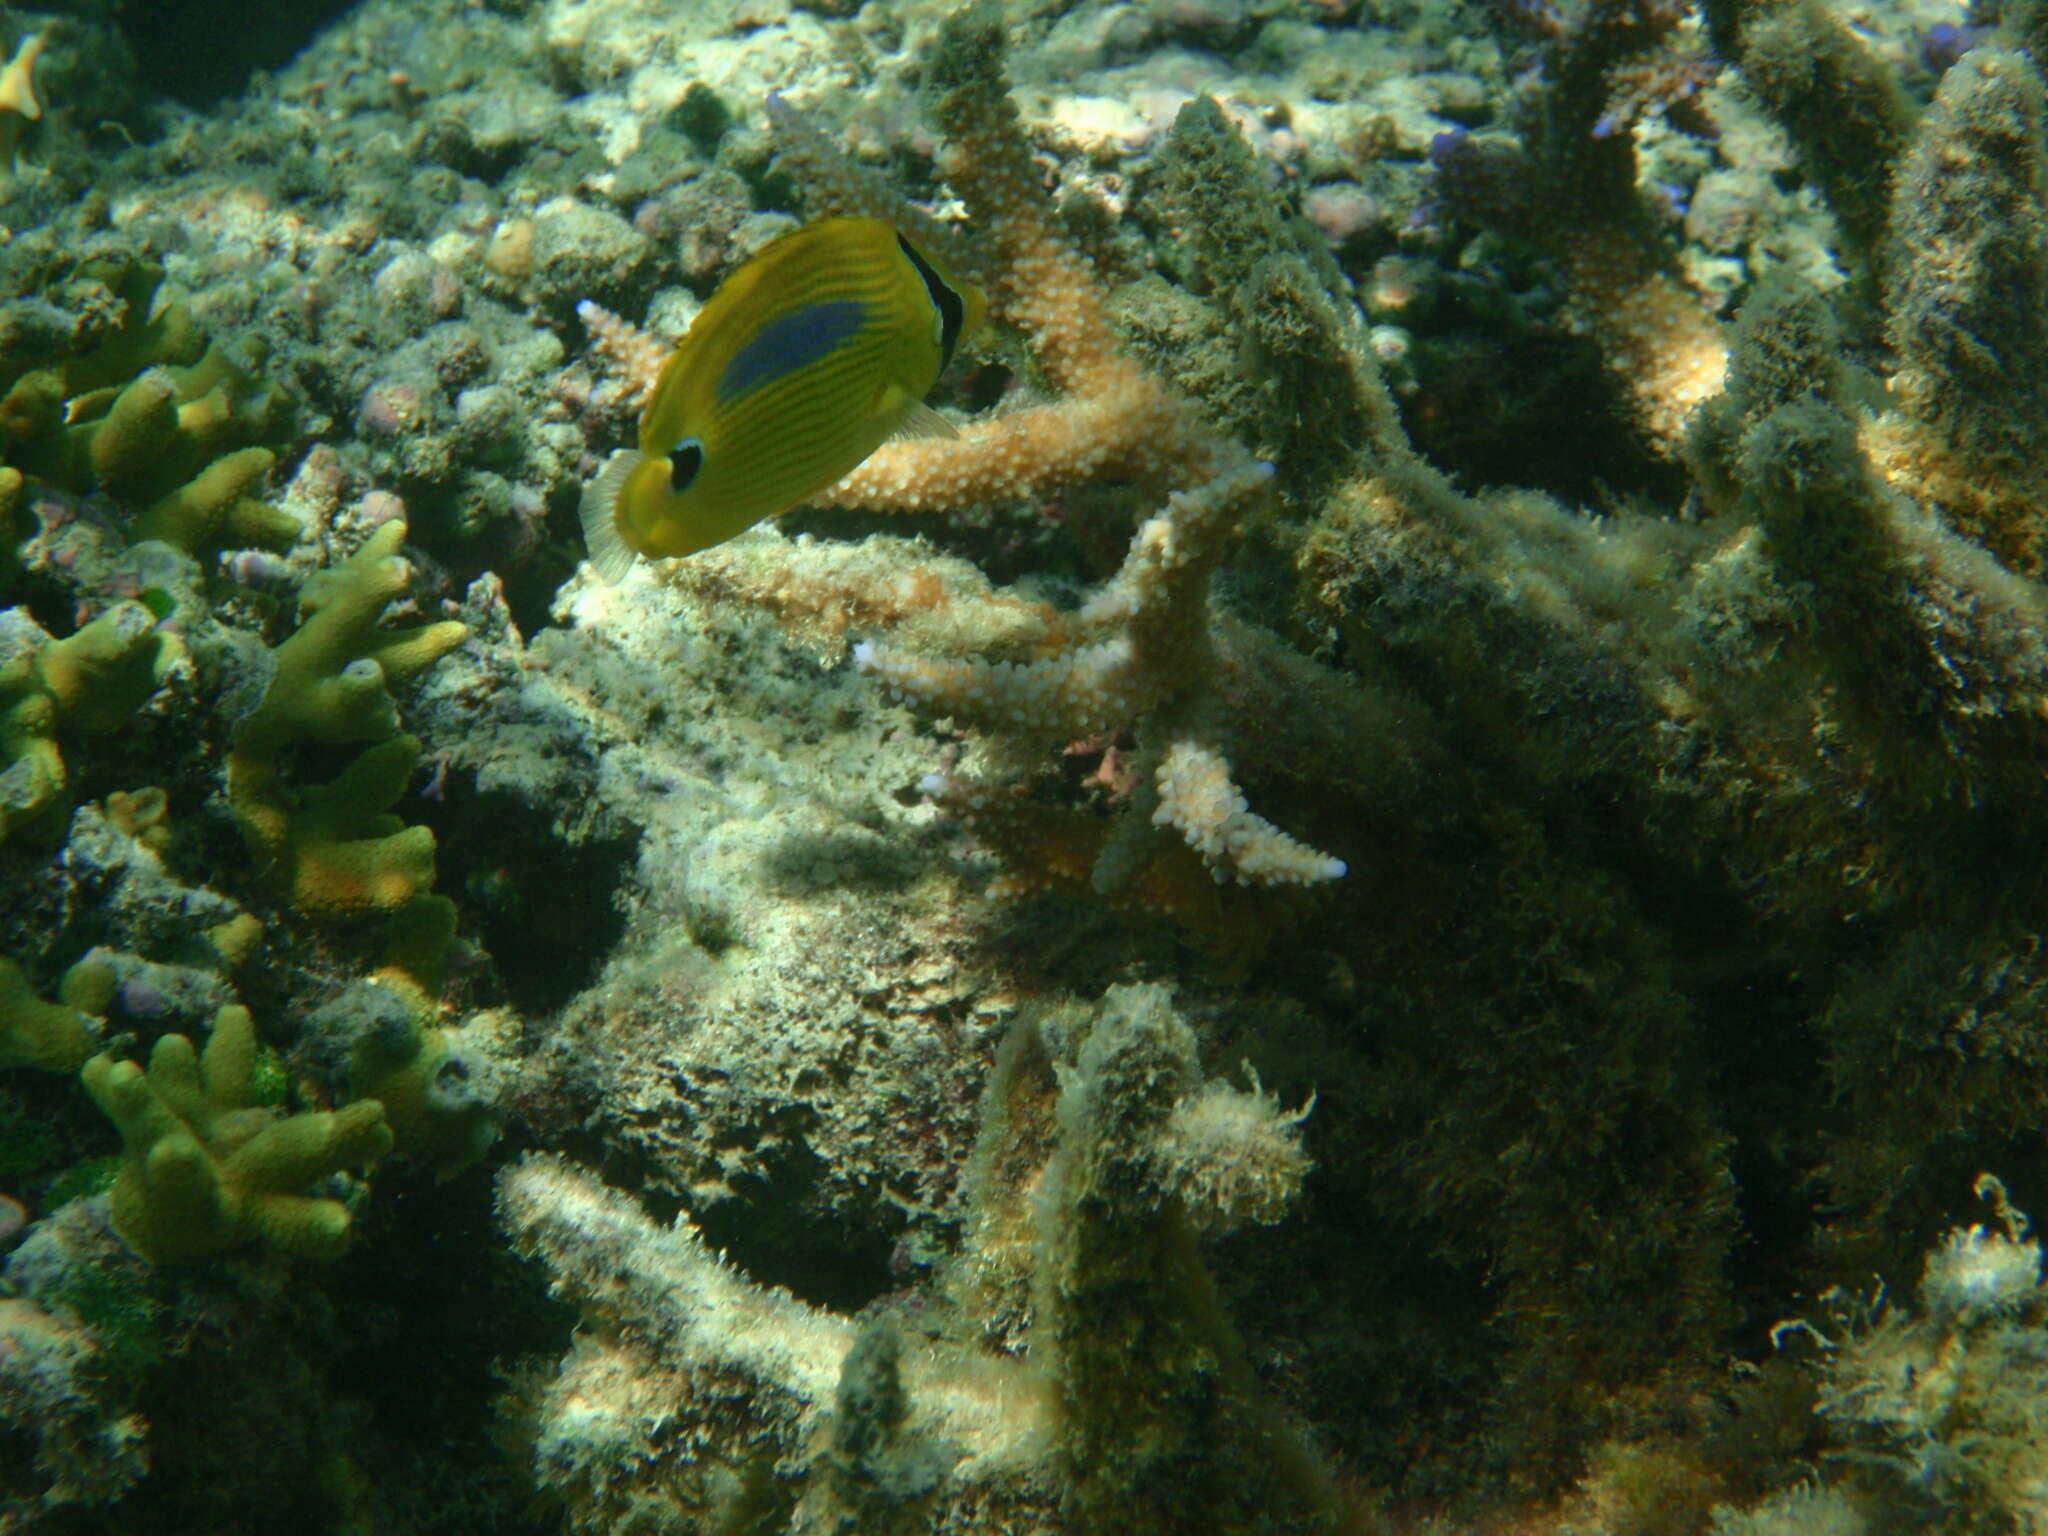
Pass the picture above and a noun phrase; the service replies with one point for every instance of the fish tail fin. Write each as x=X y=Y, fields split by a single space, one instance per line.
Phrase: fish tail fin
x=610 y=554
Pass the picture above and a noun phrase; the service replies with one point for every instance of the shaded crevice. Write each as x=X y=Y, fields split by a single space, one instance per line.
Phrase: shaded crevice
x=200 y=53
x=543 y=908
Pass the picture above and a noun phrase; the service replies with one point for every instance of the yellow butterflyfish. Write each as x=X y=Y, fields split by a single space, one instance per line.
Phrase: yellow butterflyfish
x=808 y=358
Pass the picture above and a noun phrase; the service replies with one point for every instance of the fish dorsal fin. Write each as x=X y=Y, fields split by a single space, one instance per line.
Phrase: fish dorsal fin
x=922 y=421
x=610 y=555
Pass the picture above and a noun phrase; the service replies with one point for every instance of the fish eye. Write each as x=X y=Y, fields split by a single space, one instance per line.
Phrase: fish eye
x=683 y=464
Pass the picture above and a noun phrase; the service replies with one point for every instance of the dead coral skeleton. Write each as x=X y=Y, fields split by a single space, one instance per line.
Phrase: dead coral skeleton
x=1146 y=652
x=1142 y=650
x=1073 y=1360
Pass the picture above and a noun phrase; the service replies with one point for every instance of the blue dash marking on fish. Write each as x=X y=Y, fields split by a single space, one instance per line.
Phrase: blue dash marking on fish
x=790 y=342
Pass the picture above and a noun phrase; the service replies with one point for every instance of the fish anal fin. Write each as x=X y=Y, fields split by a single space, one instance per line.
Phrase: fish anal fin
x=920 y=420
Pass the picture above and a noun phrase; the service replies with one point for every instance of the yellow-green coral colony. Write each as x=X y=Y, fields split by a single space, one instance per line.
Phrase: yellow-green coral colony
x=805 y=361
x=152 y=414
x=207 y=1166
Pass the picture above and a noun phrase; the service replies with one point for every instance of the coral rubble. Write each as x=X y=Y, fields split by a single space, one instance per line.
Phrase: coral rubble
x=1514 y=528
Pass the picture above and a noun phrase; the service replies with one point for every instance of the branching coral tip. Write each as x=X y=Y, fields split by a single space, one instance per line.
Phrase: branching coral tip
x=19 y=104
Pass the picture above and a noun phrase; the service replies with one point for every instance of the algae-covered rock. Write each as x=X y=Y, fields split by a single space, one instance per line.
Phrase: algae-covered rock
x=382 y=1039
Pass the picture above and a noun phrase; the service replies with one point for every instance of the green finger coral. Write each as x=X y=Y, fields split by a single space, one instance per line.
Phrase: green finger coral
x=208 y=1168
x=90 y=681
x=383 y=1040
x=144 y=409
x=34 y=1033
x=336 y=849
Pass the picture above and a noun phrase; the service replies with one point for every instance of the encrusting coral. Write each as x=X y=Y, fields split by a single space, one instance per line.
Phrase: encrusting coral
x=382 y=1039
x=1077 y=1356
x=208 y=1167
x=335 y=848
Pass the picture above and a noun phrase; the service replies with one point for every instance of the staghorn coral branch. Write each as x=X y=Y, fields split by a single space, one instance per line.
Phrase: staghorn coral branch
x=1136 y=642
x=1569 y=187
x=1140 y=652
x=1113 y=420
x=697 y=1393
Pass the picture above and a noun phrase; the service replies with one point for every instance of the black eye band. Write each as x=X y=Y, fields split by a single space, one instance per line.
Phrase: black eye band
x=952 y=313
x=683 y=465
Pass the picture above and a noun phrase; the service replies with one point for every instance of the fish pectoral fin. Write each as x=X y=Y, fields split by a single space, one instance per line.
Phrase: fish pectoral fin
x=610 y=555
x=922 y=421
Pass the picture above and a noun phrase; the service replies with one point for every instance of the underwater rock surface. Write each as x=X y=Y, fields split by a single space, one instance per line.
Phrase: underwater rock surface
x=1398 y=892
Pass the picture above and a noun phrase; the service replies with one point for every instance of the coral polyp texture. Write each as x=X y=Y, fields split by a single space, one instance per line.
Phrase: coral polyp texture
x=1119 y=1382
x=89 y=682
x=1400 y=894
x=209 y=1167
x=133 y=399
x=36 y=1033
x=336 y=847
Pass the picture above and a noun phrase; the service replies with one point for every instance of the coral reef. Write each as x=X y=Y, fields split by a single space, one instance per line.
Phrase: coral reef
x=1515 y=528
x=1927 y=1411
x=129 y=397
x=207 y=1166
x=1569 y=183
x=59 y=1380
x=382 y=1041
x=1843 y=108
x=335 y=848
x=1140 y=654
x=90 y=681
x=1114 y=420
x=1968 y=256
x=1118 y=1382
x=1687 y=673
